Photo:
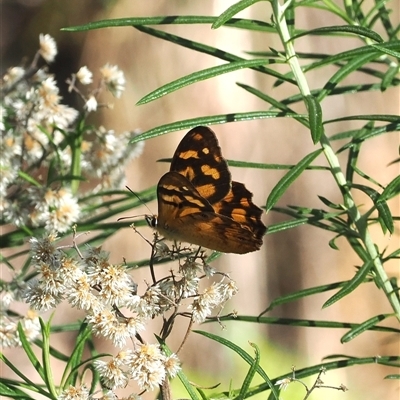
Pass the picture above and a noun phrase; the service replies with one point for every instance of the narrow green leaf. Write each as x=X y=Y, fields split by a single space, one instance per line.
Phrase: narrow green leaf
x=238 y=350
x=369 y=117
x=289 y=178
x=314 y=118
x=250 y=374
x=303 y=293
x=208 y=120
x=392 y=189
x=275 y=103
x=48 y=370
x=199 y=76
x=30 y=353
x=240 y=23
x=392 y=376
x=367 y=325
x=29 y=179
x=283 y=226
x=352 y=159
x=344 y=29
x=231 y=11
x=351 y=285
x=352 y=66
x=76 y=357
x=330 y=204
x=385 y=216
x=394 y=255
x=387 y=51
x=212 y=51
x=389 y=77
x=9 y=391
x=26 y=382
x=332 y=243
x=310 y=323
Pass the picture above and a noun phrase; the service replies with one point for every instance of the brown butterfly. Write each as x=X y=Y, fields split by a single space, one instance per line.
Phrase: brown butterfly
x=198 y=203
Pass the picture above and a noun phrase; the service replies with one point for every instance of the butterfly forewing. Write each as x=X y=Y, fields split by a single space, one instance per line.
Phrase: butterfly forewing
x=198 y=157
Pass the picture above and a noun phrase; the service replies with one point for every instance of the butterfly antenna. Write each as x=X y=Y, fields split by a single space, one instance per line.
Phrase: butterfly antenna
x=138 y=197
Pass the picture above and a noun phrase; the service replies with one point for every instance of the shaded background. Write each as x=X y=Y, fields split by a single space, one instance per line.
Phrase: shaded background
x=289 y=261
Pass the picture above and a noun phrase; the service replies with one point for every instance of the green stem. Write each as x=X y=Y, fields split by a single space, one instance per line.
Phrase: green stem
x=353 y=212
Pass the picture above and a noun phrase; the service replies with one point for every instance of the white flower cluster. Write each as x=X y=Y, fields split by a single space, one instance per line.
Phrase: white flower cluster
x=114 y=309
x=39 y=147
x=146 y=364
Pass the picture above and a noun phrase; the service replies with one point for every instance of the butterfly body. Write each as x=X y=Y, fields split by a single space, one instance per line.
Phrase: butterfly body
x=199 y=204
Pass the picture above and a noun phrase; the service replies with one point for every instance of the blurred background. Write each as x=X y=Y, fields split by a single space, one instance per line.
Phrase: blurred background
x=289 y=261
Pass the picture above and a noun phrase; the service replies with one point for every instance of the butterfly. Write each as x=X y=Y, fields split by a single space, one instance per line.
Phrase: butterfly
x=198 y=202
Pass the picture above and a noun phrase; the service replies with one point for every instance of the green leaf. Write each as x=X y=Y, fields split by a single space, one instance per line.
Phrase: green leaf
x=352 y=66
x=385 y=216
x=310 y=323
x=231 y=11
x=30 y=353
x=29 y=179
x=48 y=370
x=283 y=226
x=275 y=103
x=206 y=121
x=392 y=376
x=369 y=117
x=250 y=374
x=75 y=359
x=387 y=51
x=281 y=187
x=303 y=293
x=26 y=382
x=314 y=118
x=367 y=325
x=344 y=29
x=212 y=51
x=351 y=285
x=239 y=351
x=389 y=77
x=199 y=76
x=391 y=190
x=239 y=23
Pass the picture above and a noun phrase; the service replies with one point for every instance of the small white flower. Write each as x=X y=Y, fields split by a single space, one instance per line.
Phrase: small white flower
x=171 y=365
x=31 y=325
x=91 y=104
x=74 y=393
x=147 y=366
x=13 y=75
x=9 y=336
x=84 y=75
x=114 y=79
x=111 y=375
x=283 y=383
x=200 y=311
x=48 y=47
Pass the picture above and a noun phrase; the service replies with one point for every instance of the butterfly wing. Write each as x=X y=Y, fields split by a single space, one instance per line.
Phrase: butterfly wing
x=198 y=158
